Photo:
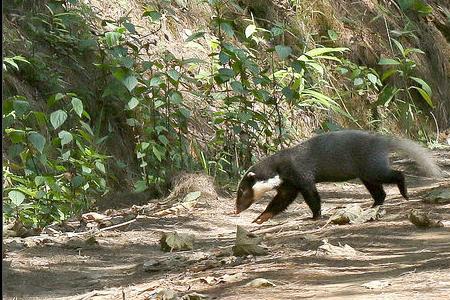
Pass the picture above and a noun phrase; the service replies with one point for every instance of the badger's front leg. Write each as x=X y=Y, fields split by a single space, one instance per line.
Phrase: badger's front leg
x=285 y=195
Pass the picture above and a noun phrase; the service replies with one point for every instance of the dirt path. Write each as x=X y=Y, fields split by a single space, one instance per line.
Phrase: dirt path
x=411 y=263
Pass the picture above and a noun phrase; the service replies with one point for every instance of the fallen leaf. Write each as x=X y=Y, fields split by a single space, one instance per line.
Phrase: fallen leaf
x=247 y=243
x=208 y=279
x=331 y=250
x=438 y=196
x=167 y=294
x=175 y=241
x=93 y=216
x=194 y=296
x=423 y=219
x=376 y=284
x=260 y=282
x=355 y=214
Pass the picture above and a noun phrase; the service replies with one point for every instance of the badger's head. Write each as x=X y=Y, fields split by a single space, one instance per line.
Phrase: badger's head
x=252 y=187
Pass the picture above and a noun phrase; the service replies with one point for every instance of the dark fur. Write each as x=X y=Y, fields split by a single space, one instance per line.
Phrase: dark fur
x=331 y=157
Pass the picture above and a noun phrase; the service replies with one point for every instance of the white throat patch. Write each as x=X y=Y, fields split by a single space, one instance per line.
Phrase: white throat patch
x=262 y=187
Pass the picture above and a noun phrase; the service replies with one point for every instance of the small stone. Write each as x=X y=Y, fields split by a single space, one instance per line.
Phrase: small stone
x=152 y=265
x=167 y=294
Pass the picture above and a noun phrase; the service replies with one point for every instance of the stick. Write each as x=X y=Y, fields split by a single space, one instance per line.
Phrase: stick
x=117 y=225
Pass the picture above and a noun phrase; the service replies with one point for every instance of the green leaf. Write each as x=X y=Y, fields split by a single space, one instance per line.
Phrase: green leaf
x=112 y=39
x=227 y=28
x=283 y=51
x=424 y=95
x=386 y=95
x=413 y=50
x=185 y=112
x=66 y=155
x=332 y=35
x=130 y=82
x=176 y=98
x=140 y=186
x=100 y=166
x=66 y=137
x=358 y=81
x=251 y=29
x=388 y=61
x=324 y=50
x=174 y=74
x=87 y=127
x=195 y=36
x=277 y=30
x=237 y=87
x=158 y=154
x=388 y=74
x=86 y=170
x=144 y=145
x=130 y=27
x=77 y=105
x=372 y=78
x=163 y=140
x=132 y=103
x=77 y=181
x=424 y=85
x=16 y=197
x=154 y=15
x=399 y=46
x=39 y=180
x=37 y=140
x=21 y=107
x=57 y=118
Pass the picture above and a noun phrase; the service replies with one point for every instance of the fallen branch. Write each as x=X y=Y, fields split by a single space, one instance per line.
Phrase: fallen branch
x=117 y=225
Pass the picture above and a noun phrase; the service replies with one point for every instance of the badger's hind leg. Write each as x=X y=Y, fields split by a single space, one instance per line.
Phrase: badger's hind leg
x=376 y=191
x=375 y=187
x=398 y=178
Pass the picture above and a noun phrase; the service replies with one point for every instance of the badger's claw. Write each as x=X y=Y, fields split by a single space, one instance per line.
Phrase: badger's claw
x=265 y=216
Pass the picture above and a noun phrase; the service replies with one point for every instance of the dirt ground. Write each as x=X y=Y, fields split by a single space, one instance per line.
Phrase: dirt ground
x=403 y=261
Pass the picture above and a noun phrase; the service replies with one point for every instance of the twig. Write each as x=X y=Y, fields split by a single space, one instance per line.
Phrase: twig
x=389 y=36
x=117 y=225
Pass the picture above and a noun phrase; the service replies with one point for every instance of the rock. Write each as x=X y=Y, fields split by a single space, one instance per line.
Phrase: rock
x=260 y=282
x=174 y=241
x=423 y=219
x=152 y=265
x=247 y=243
x=438 y=196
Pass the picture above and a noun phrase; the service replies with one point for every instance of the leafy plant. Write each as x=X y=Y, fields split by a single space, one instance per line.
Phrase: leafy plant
x=400 y=82
x=51 y=171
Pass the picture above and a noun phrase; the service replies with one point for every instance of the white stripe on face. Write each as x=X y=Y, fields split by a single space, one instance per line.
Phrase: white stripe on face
x=262 y=187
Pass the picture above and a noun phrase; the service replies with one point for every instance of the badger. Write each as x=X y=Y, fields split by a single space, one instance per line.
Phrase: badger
x=329 y=157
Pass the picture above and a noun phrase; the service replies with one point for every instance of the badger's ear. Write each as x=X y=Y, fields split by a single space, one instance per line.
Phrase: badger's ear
x=250 y=174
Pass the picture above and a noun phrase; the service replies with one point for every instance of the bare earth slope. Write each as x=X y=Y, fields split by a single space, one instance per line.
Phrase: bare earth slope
x=410 y=262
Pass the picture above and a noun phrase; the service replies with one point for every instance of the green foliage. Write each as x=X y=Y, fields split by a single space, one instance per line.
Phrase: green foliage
x=419 y=6
x=50 y=173
x=399 y=84
x=246 y=94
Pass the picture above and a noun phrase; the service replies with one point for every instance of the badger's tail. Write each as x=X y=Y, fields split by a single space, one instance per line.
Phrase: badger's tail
x=418 y=153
